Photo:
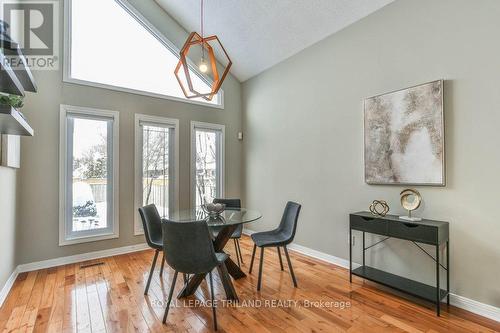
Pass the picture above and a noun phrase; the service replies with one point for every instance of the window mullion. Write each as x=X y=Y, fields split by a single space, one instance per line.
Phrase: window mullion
x=171 y=169
x=110 y=177
x=69 y=176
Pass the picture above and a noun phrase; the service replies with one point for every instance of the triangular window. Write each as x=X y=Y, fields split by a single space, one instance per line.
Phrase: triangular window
x=111 y=46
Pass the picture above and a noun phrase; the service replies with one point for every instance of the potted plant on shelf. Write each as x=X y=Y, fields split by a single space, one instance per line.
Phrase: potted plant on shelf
x=13 y=101
x=8 y=102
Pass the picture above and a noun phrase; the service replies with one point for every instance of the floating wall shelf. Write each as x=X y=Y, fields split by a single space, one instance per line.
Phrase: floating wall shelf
x=9 y=82
x=14 y=81
x=22 y=70
x=13 y=122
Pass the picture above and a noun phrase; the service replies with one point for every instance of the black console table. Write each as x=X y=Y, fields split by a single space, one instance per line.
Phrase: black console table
x=426 y=231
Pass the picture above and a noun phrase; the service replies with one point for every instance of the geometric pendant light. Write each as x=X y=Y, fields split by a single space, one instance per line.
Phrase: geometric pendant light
x=203 y=50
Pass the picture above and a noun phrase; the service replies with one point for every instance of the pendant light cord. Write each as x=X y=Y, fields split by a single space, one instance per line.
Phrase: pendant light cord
x=202 y=34
x=201 y=20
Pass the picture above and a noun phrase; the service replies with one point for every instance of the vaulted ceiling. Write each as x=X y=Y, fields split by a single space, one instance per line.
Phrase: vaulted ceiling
x=258 y=34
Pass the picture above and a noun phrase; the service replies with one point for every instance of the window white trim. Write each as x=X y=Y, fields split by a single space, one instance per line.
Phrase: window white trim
x=214 y=127
x=155 y=32
x=64 y=110
x=172 y=123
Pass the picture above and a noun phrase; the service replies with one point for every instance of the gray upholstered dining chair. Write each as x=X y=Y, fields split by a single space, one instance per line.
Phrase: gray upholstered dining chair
x=279 y=237
x=151 y=223
x=189 y=249
x=232 y=204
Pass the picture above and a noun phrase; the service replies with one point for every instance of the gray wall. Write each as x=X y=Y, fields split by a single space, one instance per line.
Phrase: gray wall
x=303 y=122
x=39 y=173
x=8 y=198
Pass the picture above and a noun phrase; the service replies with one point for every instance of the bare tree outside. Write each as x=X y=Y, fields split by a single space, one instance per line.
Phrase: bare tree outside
x=206 y=164
x=155 y=167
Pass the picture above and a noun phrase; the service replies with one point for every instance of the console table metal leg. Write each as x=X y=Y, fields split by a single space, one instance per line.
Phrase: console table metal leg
x=350 y=255
x=364 y=248
x=448 y=272
x=438 y=289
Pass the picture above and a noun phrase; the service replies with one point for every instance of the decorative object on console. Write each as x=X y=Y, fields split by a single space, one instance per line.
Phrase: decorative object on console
x=410 y=200
x=379 y=208
x=213 y=210
x=191 y=83
x=404 y=136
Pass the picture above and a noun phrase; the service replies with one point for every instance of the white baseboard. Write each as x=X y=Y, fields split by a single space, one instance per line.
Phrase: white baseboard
x=314 y=253
x=465 y=303
x=64 y=261
x=8 y=285
x=80 y=257
x=485 y=310
x=322 y=256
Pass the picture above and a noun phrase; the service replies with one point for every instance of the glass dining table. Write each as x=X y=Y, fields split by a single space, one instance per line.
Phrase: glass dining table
x=226 y=223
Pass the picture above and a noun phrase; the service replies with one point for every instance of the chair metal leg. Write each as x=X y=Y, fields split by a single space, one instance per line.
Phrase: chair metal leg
x=279 y=255
x=236 y=250
x=290 y=266
x=212 y=298
x=170 y=293
x=253 y=257
x=259 y=282
x=151 y=272
x=239 y=250
x=162 y=264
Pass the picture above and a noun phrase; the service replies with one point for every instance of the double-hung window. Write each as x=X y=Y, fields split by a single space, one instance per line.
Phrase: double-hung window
x=88 y=175
x=207 y=162
x=156 y=165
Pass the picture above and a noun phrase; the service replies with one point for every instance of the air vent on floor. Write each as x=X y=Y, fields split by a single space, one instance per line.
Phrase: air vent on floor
x=92 y=264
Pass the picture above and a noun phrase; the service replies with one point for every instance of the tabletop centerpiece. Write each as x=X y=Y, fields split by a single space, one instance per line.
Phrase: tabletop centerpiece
x=213 y=210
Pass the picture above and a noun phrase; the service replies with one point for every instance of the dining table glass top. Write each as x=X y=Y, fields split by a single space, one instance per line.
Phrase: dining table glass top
x=230 y=216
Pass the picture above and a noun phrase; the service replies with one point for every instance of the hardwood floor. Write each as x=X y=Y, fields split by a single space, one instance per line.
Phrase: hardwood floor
x=109 y=298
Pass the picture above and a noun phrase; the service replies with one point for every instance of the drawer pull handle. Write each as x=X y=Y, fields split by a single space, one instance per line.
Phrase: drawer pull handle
x=411 y=225
x=367 y=218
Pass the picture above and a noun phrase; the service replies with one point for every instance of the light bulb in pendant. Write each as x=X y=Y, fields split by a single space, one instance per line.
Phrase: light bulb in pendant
x=203 y=66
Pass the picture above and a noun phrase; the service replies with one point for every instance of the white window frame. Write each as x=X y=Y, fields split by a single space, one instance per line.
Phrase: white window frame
x=64 y=239
x=138 y=195
x=222 y=158
x=148 y=26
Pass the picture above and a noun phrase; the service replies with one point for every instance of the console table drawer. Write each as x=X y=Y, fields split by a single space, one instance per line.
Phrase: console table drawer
x=369 y=224
x=415 y=232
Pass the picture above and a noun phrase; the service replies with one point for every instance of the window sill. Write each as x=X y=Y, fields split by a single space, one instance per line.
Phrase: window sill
x=143 y=93
x=87 y=239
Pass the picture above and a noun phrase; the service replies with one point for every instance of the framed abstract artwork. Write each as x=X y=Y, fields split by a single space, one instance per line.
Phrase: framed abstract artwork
x=404 y=136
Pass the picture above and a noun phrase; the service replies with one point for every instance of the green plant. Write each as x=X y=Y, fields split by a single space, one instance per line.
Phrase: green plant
x=12 y=100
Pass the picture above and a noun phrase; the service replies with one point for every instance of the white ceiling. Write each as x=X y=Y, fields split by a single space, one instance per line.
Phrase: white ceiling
x=258 y=34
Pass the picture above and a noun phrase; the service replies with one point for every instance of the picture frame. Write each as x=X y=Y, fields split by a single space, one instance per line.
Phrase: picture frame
x=404 y=136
